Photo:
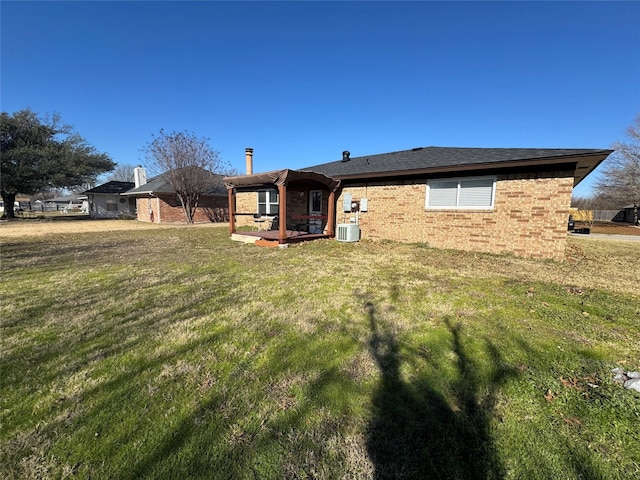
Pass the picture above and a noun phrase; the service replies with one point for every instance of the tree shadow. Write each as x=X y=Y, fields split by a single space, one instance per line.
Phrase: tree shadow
x=417 y=432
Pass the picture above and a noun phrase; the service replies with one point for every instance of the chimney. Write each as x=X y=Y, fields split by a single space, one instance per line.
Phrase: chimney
x=248 y=153
x=345 y=156
x=139 y=176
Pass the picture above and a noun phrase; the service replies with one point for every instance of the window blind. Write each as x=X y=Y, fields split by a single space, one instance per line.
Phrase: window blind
x=460 y=193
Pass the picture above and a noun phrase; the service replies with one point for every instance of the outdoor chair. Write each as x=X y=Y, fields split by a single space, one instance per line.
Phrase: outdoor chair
x=258 y=221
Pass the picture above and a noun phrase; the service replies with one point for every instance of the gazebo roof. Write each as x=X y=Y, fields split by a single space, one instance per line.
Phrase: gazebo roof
x=281 y=177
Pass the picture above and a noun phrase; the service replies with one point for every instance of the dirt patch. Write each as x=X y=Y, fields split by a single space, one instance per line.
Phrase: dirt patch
x=611 y=228
x=30 y=228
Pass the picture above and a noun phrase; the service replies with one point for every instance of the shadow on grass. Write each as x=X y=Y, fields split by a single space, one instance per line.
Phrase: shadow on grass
x=418 y=433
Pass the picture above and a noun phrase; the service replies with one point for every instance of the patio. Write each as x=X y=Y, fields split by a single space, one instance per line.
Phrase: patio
x=270 y=238
x=293 y=188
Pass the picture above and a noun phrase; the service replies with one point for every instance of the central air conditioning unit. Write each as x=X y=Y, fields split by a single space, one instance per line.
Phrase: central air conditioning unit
x=348 y=232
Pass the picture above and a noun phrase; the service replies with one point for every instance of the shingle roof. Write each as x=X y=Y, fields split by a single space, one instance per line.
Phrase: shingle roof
x=113 y=187
x=425 y=159
x=158 y=184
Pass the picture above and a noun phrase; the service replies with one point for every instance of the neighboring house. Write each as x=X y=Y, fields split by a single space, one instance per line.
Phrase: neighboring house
x=107 y=200
x=157 y=202
x=20 y=204
x=479 y=199
x=16 y=206
x=626 y=214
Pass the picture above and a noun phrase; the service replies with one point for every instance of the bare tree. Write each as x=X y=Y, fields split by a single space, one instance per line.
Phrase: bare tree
x=122 y=173
x=188 y=165
x=620 y=180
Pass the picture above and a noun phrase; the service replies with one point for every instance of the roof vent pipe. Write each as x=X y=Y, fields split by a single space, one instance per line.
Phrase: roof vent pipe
x=248 y=153
x=345 y=156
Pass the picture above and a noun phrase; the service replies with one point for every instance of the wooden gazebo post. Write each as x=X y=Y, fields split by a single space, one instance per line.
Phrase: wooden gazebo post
x=282 y=214
x=331 y=218
x=232 y=211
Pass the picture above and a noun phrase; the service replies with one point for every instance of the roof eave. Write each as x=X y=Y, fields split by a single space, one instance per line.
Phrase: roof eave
x=588 y=164
x=146 y=192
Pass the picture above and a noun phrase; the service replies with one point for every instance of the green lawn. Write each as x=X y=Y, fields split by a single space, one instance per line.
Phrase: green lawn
x=176 y=353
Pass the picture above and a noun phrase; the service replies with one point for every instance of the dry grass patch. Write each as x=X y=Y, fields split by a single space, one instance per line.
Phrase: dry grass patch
x=51 y=226
x=611 y=228
x=174 y=353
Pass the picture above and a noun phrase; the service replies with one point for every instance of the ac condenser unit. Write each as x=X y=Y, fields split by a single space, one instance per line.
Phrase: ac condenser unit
x=348 y=232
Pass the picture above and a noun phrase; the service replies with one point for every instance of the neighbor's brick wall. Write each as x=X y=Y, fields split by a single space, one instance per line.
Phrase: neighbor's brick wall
x=167 y=210
x=144 y=206
x=529 y=218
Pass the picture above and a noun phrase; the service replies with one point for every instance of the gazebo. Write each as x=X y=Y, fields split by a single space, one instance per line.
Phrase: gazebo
x=305 y=199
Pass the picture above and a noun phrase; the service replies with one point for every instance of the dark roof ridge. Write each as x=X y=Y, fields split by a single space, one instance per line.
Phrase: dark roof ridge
x=111 y=187
x=440 y=147
x=420 y=160
x=159 y=184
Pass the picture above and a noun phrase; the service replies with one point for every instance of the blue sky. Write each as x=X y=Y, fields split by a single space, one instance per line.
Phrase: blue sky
x=302 y=81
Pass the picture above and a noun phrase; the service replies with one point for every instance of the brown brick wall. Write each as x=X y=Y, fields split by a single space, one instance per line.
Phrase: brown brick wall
x=167 y=210
x=246 y=202
x=529 y=217
x=297 y=203
x=144 y=207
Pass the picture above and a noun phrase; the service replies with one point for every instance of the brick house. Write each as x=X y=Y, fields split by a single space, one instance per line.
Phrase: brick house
x=157 y=202
x=479 y=199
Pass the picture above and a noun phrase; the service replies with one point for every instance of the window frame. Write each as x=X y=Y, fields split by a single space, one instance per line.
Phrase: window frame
x=268 y=203
x=111 y=205
x=459 y=181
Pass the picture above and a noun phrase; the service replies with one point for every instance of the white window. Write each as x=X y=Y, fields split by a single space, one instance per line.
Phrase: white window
x=463 y=193
x=268 y=202
x=112 y=206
